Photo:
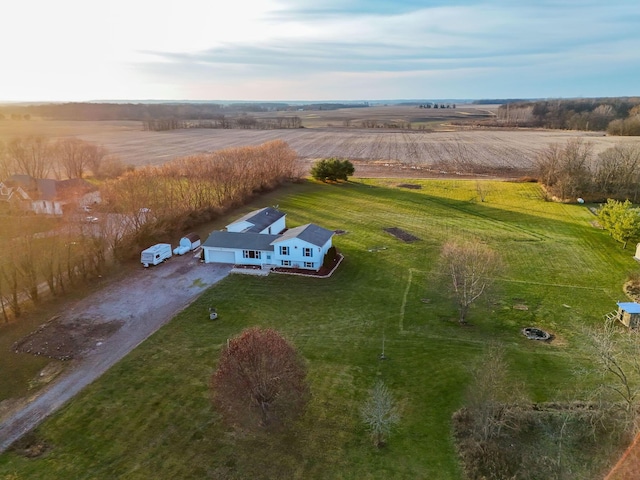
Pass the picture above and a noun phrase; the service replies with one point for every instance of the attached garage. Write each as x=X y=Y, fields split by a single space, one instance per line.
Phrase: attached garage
x=212 y=255
x=238 y=248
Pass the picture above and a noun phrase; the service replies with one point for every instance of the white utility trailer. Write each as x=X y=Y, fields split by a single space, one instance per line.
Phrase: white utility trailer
x=156 y=254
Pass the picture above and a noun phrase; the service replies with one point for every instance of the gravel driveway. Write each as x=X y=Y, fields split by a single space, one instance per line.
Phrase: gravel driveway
x=141 y=303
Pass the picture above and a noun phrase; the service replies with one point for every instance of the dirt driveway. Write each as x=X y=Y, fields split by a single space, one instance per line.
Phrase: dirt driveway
x=123 y=314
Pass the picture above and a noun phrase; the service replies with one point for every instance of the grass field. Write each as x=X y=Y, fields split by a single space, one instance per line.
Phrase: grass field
x=150 y=416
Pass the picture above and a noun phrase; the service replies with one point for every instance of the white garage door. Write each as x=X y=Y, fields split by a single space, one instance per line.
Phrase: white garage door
x=221 y=256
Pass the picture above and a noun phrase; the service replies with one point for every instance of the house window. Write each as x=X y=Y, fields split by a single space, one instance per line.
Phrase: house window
x=286 y=263
x=308 y=265
x=250 y=254
x=284 y=250
x=306 y=252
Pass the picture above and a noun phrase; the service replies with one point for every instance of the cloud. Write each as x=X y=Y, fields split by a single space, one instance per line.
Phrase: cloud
x=359 y=39
x=315 y=47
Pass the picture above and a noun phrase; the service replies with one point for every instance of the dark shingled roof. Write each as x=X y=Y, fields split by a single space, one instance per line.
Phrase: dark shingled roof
x=47 y=188
x=240 y=240
x=260 y=219
x=310 y=233
x=192 y=237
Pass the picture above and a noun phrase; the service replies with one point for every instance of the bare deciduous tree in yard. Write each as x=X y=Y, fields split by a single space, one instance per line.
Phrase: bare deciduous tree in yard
x=260 y=381
x=471 y=267
x=380 y=413
x=491 y=394
x=617 y=352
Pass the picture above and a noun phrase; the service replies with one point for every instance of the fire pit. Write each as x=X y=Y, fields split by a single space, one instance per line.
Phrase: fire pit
x=533 y=333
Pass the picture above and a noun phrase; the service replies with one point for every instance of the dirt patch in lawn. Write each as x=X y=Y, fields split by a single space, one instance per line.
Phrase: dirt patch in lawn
x=401 y=234
x=410 y=186
x=65 y=341
x=30 y=446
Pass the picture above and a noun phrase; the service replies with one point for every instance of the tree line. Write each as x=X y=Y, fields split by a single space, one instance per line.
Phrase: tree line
x=572 y=170
x=618 y=116
x=40 y=157
x=89 y=111
x=222 y=121
x=138 y=208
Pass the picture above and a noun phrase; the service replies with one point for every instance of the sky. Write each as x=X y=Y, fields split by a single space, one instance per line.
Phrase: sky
x=279 y=50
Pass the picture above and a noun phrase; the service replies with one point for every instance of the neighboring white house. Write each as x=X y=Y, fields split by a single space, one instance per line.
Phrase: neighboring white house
x=247 y=241
x=14 y=198
x=43 y=195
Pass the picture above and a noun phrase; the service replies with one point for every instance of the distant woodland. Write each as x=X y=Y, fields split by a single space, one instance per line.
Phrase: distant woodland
x=155 y=111
x=173 y=116
x=616 y=116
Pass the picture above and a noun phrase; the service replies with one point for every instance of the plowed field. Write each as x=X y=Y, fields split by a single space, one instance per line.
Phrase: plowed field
x=500 y=149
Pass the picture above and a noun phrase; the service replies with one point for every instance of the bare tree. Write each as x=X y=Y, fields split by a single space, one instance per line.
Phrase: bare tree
x=482 y=189
x=30 y=155
x=565 y=169
x=6 y=163
x=94 y=157
x=380 y=413
x=11 y=291
x=5 y=315
x=260 y=381
x=617 y=171
x=617 y=352
x=471 y=267
x=491 y=394
x=75 y=156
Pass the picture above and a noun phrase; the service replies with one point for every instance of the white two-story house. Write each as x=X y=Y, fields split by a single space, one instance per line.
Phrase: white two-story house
x=261 y=239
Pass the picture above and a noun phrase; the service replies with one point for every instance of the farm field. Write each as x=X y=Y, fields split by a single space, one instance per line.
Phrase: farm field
x=150 y=416
x=455 y=147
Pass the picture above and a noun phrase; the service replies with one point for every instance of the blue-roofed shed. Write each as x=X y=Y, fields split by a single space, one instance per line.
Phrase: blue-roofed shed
x=629 y=314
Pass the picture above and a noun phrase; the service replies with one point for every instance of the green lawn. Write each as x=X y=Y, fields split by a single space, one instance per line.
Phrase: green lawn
x=150 y=416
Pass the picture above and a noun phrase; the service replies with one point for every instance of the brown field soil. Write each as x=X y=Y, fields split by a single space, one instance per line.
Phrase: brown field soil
x=456 y=147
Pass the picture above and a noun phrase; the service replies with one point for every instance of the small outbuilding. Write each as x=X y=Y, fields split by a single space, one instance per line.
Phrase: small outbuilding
x=188 y=243
x=629 y=314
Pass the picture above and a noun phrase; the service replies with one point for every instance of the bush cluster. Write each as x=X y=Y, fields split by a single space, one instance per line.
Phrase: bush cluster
x=332 y=169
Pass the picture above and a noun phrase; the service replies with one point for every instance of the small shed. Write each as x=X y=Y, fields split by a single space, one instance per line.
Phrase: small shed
x=191 y=240
x=637 y=255
x=188 y=243
x=629 y=314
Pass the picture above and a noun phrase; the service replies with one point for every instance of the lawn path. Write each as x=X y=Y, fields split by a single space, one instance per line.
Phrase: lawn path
x=144 y=302
x=404 y=300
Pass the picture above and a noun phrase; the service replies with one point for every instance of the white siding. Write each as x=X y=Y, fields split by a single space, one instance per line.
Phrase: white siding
x=296 y=253
x=276 y=227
